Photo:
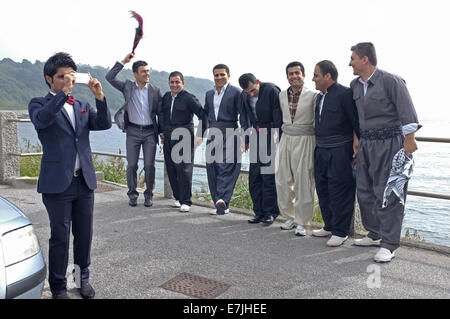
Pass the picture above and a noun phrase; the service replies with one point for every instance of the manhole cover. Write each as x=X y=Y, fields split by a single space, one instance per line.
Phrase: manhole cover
x=195 y=286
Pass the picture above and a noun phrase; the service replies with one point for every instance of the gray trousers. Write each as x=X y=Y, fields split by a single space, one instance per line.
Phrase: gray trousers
x=374 y=163
x=136 y=138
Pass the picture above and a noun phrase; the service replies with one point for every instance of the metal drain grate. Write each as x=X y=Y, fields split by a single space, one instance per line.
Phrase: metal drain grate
x=195 y=286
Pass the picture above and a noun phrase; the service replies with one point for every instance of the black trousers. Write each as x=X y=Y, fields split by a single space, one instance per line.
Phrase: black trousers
x=180 y=174
x=73 y=207
x=335 y=187
x=261 y=180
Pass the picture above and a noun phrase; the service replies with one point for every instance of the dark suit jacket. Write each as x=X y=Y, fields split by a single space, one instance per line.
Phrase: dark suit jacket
x=184 y=108
x=60 y=143
x=268 y=108
x=127 y=88
x=229 y=108
x=339 y=114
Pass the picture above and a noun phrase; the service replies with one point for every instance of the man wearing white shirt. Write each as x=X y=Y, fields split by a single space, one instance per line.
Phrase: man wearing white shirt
x=388 y=122
x=222 y=105
x=138 y=118
x=67 y=176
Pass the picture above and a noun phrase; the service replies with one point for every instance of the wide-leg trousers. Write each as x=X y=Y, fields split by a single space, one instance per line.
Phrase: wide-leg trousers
x=335 y=187
x=294 y=175
x=374 y=162
x=180 y=172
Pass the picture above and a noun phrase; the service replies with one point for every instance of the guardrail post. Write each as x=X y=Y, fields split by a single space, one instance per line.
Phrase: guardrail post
x=9 y=164
x=167 y=189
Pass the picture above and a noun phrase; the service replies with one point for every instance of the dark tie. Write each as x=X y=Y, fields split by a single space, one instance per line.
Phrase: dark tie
x=70 y=100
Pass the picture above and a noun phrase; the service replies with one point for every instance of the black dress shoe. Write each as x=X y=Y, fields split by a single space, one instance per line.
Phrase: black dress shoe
x=86 y=291
x=132 y=202
x=268 y=220
x=148 y=203
x=254 y=220
x=61 y=295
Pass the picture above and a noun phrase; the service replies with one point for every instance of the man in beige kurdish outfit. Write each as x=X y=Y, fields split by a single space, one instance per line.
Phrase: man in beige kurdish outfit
x=294 y=168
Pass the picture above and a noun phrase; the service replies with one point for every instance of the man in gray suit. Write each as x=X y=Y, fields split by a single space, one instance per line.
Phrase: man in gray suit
x=138 y=119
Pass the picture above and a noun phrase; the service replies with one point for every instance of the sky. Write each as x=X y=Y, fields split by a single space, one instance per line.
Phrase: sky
x=260 y=37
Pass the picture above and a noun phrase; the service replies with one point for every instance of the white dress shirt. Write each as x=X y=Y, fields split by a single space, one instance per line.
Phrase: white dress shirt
x=218 y=99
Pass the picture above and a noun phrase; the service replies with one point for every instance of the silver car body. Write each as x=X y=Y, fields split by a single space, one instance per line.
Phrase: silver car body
x=24 y=278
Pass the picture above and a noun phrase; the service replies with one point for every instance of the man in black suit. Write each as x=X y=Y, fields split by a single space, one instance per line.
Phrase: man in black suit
x=261 y=111
x=223 y=165
x=67 y=177
x=178 y=109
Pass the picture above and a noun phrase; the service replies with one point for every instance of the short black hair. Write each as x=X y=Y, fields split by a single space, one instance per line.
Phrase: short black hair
x=176 y=73
x=56 y=61
x=367 y=49
x=295 y=63
x=245 y=79
x=138 y=64
x=327 y=66
x=222 y=66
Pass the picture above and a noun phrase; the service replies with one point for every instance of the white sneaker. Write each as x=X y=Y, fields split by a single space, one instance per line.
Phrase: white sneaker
x=384 y=255
x=176 y=204
x=367 y=241
x=227 y=211
x=287 y=225
x=300 y=231
x=185 y=208
x=336 y=241
x=321 y=233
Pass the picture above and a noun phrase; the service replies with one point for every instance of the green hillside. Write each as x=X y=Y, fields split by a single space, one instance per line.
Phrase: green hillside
x=19 y=82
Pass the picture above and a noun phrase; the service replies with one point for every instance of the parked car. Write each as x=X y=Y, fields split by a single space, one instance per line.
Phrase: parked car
x=22 y=265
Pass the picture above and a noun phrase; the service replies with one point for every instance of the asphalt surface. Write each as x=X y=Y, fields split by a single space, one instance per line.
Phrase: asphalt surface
x=135 y=250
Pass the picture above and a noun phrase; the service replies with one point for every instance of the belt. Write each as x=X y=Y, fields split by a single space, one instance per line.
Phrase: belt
x=142 y=127
x=77 y=173
x=298 y=129
x=333 y=141
x=381 y=133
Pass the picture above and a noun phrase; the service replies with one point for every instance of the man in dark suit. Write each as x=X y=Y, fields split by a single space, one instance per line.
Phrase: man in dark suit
x=67 y=177
x=178 y=109
x=138 y=119
x=222 y=105
x=261 y=111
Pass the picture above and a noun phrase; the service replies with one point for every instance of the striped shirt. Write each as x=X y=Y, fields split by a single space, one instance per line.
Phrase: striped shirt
x=293 y=99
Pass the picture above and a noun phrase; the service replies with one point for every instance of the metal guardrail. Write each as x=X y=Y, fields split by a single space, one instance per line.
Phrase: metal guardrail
x=412 y=193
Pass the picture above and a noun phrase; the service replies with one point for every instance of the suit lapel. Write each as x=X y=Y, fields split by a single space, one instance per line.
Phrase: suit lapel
x=76 y=113
x=63 y=111
x=150 y=99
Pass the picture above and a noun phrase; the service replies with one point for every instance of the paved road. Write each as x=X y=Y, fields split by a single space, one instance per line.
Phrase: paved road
x=136 y=250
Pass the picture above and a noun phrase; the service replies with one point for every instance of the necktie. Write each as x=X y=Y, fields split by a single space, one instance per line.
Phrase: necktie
x=70 y=100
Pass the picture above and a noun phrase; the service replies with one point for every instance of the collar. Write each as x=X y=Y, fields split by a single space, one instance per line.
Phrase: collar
x=223 y=88
x=137 y=85
x=292 y=93
x=371 y=78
